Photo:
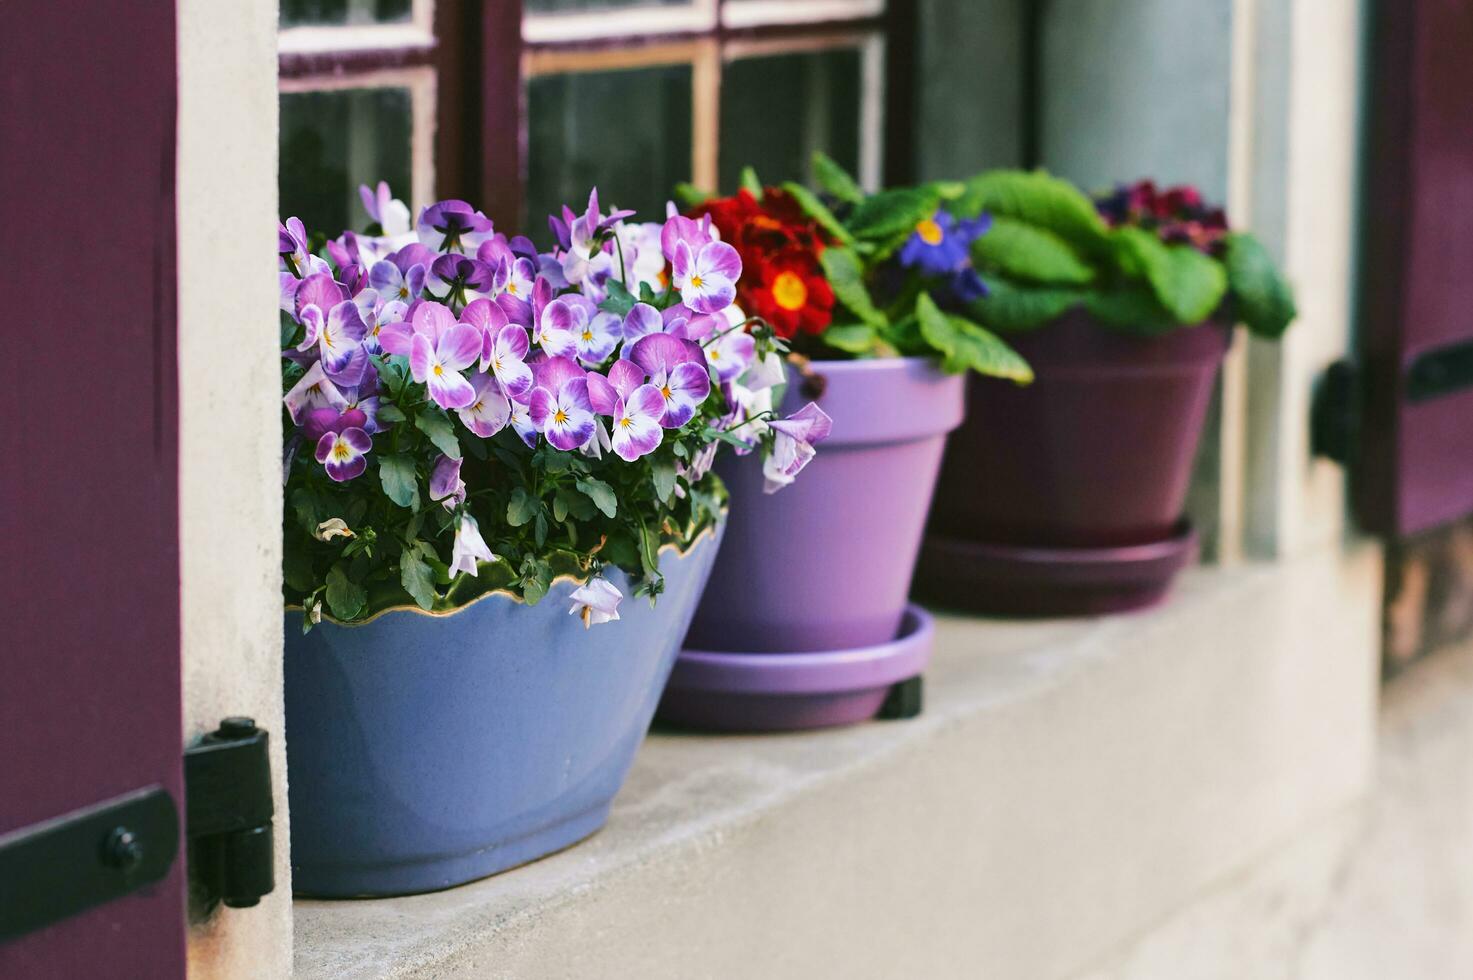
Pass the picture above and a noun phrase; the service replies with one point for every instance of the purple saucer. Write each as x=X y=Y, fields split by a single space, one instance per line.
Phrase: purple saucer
x=768 y=692
x=1008 y=580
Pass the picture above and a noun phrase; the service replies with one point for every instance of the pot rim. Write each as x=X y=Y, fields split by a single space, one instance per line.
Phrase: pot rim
x=711 y=529
x=861 y=397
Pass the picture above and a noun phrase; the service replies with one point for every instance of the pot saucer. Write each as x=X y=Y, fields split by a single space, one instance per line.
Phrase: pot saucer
x=1009 y=580
x=768 y=692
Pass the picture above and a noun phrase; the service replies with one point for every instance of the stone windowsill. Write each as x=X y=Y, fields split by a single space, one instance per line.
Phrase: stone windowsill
x=1069 y=784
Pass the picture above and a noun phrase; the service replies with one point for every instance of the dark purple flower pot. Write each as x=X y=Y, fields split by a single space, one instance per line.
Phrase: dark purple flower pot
x=824 y=565
x=1065 y=497
x=424 y=751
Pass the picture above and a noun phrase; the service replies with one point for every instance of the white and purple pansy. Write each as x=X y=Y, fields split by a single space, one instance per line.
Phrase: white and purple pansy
x=437 y=364
x=730 y=354
x=490 y=410
x=559 y=405
x=453 y=226
x=313 y=390
x=792 y=446
x=562 y=320
x=598 y=337
x=391 y=214
x=469 y=548
x=706 y=277
x=636 y=430
x=343 y=449
x=677 y=368
x=596 y=603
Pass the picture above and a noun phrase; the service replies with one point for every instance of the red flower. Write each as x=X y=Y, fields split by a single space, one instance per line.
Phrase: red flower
x=782 y=279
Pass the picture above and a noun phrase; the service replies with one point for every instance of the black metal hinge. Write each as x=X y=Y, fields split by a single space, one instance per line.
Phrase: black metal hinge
x=227 y=782
x=64 y=866
x=1334 y=414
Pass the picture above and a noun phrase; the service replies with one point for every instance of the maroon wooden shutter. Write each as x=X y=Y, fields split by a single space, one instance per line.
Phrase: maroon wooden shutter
x=1415 y=469
x=89 y=636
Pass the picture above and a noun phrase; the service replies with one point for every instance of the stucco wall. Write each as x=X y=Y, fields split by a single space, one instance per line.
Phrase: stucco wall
x=230 y=486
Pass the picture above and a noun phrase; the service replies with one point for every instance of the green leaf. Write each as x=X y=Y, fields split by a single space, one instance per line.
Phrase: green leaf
x=690 y=196
x=521 y=508
x=966 y=346
x=1014 y=308
x=536 y=578
x=296 y=567
x=846 y=275
x=820 y=213
x=345 y=597
x=835 y=179
x=1189 y=285
x=417 y=578
x=1132 y=309
x=434 y=423
x=390 y=413
x=750 y=183
x=601 y=494
x=664 y=476
x=853 y=338
x=649 y=549
x=893 y=212
x=1023 y=251
x=619 y=300
x=396 y=473
x=1040 y=200
x=1264 y=301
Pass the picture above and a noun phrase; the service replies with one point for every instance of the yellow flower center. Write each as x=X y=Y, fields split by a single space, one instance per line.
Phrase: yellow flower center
x=341 y=450
x=665 y=390
x=715 y=353
x=789 y=291
x=511 y=287
x=930 y=232
x=560 y=416
x=439 y=371
x=625 y=422
x=696 y=281
x=587 y=336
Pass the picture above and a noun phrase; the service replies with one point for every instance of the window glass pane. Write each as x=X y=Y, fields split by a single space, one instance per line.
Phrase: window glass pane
x=776 y=110
x=628 y=131
x=567 y=6
x=333 y=141
x=297 y=13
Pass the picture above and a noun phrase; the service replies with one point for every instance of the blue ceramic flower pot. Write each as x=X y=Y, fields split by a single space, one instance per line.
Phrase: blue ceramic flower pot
x=425 y=751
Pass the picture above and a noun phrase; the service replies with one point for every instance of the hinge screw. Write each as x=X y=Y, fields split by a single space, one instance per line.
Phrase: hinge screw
x=123 y=849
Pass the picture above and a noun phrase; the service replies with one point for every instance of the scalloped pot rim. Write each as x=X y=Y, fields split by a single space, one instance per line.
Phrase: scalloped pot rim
x=709 y=529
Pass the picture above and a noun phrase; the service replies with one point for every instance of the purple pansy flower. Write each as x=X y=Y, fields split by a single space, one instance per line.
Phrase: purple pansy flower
x=391 y=214
x=679 y=229
x=566 y=419
x=558 y=327
x=605 y=393
x=505 y=355
x=313 y=390
x=598 y=338
x=677 y=368
x=490 y=411
x=792 y=448
x=520 y=419
x=469 y=548
x=636 y=425
x=641 y=320
x=343 y=449
x=386 y=277
x=453 y=226
x=596 y=603
x=706 y=278
x=291 y=246
x=445 y=482
x=730 y=354
x=438 y=364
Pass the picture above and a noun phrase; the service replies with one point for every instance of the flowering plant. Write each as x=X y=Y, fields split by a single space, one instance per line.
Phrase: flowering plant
x=465 y=413
x=849 y=274
x=1139 y=259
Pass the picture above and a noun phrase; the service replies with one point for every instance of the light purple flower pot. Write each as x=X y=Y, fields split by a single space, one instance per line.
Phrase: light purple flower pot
x=824 y=565
x=1065 y=497
x=424 y=751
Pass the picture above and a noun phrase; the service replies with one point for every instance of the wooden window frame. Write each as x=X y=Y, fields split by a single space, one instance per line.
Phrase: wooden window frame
x=481 y=52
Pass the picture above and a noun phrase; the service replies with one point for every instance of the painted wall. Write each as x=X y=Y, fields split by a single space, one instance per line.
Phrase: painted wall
x=230 y=448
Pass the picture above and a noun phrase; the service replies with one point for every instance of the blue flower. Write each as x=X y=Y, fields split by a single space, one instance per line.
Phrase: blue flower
x=941 y=245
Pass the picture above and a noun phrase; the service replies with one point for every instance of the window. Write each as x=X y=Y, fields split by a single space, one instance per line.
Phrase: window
x=448 y=98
